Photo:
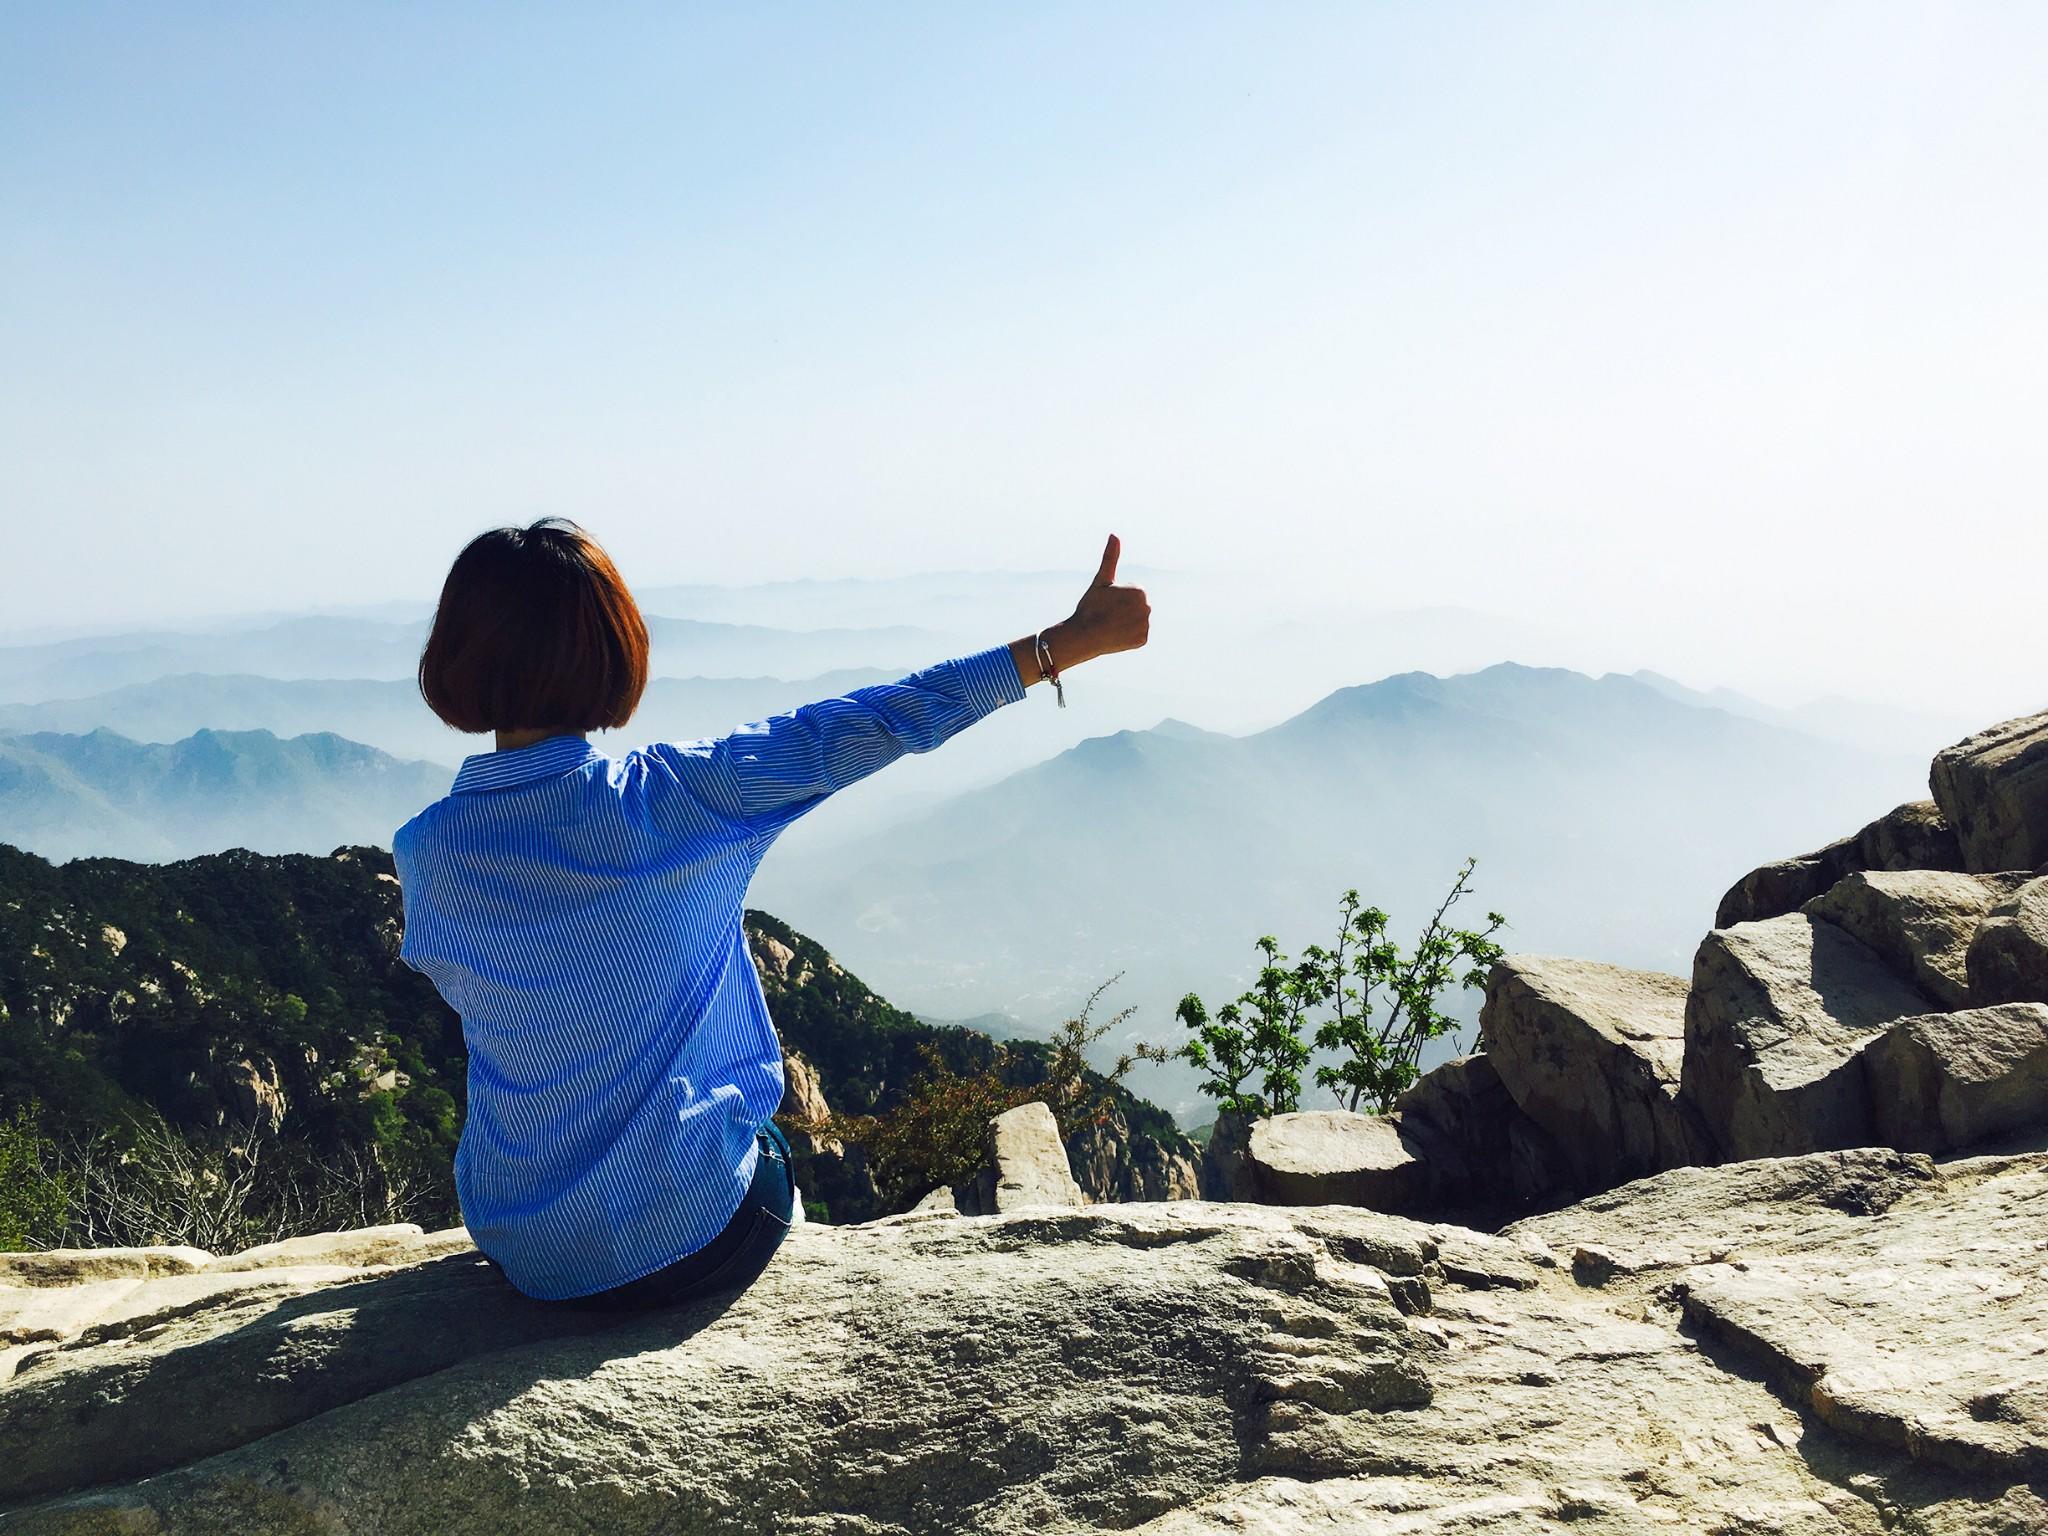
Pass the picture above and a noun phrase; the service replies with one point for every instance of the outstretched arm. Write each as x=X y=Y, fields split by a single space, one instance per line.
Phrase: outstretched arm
x=776 y=769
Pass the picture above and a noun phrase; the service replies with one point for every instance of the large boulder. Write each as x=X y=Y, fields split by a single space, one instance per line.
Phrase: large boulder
x=1913 y=836
x=2008 y=958
x=1170 y=1369
x=1921 y=921
x=1950 y=1080
x=1028 y=1162
x=1993 y=789
x=1226 y=1163
x=1777 y=1016
x=1592 y=1055
x=1457 y=1116
x=1335 y=1157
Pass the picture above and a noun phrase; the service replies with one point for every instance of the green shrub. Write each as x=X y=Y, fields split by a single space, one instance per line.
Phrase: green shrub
x=1371 y=1004
x=34 y=1195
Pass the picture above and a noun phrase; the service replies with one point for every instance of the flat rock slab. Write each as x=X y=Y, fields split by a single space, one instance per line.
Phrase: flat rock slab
x=1592 y=1054
x=361 y=1245
x=36 y=1313
x=1736 y=1211
x=1919 y=921
x=1333 y=1157
x=1167 y=1368
x=74 y=1266
x=1993 y=789
x=1926 y=1330
x=1778 y=1012
x=1947 y=1081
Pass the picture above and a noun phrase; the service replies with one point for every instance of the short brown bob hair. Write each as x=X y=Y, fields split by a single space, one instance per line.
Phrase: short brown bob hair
x=535 y=631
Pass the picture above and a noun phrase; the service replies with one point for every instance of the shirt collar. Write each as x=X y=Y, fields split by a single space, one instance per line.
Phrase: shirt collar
x=547 y=759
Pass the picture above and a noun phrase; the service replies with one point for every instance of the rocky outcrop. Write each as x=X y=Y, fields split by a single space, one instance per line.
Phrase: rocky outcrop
x=1993 y=789
x=1893 y=1300
x=2008 y=955
x=1028 y=1162
x=803 y=1099
x=1112 y=1165
x=252 y=1094
x=1591 y=1054
x=831 y=1174
x=1950 y=1080
x=1778 y=1014
x=1920 y=922
x=1458 y=1118
x=1914 y=836
x=1163 y=1368
x=1333 y=1157
x=1860 y=994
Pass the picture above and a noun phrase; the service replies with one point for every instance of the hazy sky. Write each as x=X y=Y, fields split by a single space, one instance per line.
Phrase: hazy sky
x=1718 y=327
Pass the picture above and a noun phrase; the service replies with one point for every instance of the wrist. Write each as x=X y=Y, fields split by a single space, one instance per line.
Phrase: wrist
x=1069 y=644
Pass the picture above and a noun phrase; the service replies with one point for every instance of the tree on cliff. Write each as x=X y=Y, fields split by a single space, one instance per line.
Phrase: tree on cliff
x=1370 y=1002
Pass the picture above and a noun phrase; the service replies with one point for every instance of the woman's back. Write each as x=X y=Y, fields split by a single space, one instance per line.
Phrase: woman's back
x=583 y=915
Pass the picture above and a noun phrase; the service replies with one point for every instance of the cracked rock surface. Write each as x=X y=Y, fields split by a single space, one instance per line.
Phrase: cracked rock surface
x=1167 y=1368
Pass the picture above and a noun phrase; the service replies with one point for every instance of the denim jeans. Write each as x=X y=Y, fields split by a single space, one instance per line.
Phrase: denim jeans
x=730 y=1261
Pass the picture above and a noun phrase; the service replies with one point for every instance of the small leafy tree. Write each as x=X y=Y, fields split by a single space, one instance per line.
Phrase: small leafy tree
x=1252 y=1050
x=1379 y=1060
x=1377 y=1007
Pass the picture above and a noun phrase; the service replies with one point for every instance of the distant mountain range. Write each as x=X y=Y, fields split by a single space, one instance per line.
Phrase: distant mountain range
x=1607 y=818
x=1608 y=813
x=390 y=651
x=102 y=795
x=1880 y=728
x=390 y=715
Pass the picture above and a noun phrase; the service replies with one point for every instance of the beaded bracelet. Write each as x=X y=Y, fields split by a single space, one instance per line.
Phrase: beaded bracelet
x=1047 y=672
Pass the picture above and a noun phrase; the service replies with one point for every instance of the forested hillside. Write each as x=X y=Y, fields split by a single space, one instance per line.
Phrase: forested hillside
x=244 y=996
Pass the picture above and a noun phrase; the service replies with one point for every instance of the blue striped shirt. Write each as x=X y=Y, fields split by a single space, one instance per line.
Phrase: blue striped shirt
x=582 y=914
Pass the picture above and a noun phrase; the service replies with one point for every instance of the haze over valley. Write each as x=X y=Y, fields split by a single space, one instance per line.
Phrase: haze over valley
x=1226 y=785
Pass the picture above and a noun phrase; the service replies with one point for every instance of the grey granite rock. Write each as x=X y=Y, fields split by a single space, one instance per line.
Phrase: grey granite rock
x=1028 y=1161
x=1591 y=1054
x=1993 y=789
x=1946 y=1081
x=1920 y=922
x=1778 y=1013
x=2008 y=957
x=1913 y=836
x=1165 y=1368
x=1334 y=1157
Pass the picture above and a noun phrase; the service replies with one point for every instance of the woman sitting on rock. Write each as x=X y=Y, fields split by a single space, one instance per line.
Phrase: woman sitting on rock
x=582 y=913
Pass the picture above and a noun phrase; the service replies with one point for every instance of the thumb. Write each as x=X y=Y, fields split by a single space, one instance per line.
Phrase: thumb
x=1105 y=575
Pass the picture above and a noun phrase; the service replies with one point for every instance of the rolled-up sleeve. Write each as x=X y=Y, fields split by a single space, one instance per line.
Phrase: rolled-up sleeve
x=781 y=767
